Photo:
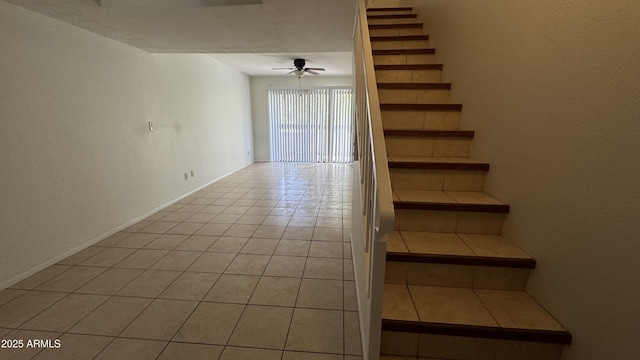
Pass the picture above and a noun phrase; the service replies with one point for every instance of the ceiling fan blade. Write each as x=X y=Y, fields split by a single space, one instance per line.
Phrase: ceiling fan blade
x=287 y=68
x=290 y=72
x=315 y=69
x=307 y=70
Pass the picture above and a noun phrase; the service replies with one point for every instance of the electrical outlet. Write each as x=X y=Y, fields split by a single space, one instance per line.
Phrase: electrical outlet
x=186 y=176
x=193 y=173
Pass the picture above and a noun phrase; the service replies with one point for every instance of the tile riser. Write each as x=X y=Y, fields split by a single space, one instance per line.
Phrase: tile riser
x=394 y=45
x=427 y=146
x=404 y=59
x=465 y=348
x=408 y=76
x=462 y=222
x=454 y=275
x=395 y=32
x=437 y=179
x=428 y=120
x=411 y=96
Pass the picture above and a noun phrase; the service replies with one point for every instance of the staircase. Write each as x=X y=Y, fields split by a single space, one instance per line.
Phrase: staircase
x=454 y=286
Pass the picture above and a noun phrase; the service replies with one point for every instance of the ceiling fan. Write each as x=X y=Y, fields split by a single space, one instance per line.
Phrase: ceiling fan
x=299 y=70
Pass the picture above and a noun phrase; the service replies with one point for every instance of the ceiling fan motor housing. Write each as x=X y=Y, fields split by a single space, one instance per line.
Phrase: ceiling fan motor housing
x=299 y=63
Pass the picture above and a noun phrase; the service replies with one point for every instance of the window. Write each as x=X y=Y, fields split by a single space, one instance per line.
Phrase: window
x=311 y=125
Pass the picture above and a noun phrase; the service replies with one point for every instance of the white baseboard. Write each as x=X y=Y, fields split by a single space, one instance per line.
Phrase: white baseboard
x=99 y=238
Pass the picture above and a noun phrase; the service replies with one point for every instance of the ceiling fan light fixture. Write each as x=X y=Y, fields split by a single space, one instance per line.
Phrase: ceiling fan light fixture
x=298 y=73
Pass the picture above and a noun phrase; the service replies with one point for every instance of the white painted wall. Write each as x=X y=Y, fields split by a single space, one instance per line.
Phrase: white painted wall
x=552 y=89
x=78 y=160
x=260 y=103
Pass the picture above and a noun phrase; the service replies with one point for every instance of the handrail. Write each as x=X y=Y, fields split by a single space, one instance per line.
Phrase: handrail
x=386 y=218
x=376 y=205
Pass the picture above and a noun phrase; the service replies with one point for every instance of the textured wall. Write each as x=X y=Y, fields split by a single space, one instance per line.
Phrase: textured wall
x=552 y=90
x=260 y=103
x=78 y=160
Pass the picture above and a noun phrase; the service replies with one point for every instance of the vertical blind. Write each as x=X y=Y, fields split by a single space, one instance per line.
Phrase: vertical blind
x=311 y=125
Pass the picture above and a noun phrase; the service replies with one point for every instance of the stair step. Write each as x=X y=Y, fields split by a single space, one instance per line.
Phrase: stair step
x=440 y=174
x=466 y=313
x=437 y=206
x=391 y=16
x=400 y=38
x=475 y=261
x=458 y=249
x=382 y=9
x=414 y=93
x=503 y=309
x=396 y=26
x=465 y=201
x=415 y=86
x=438 y=164
x=384 y=52
x=460 y=260
x=374 y=30
x=399 y=42
x=421 y=107
x=439 y=117
x=409 y=72
x=391 y=67
x=486 y=332
x=391 y=21
x=430 y=133
x=427 y=143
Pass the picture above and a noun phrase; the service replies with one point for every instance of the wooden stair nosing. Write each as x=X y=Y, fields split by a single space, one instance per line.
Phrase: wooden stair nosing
x=485 y=332
x=396 y=16
x=430 y=133
x=415 y=86
x=520 y=263
x=421 y=107
x=440 y=206
x=404 y=52
x=384 y=67
x=438 y=165
x=399 y=38
x=400 y=8
x=396 y=26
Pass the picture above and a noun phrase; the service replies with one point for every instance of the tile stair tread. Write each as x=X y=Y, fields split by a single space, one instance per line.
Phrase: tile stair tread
x=452 y=244
x=465 y=201
x=497 y=312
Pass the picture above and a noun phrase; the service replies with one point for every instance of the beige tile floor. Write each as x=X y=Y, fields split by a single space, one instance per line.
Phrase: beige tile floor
x=255 y=266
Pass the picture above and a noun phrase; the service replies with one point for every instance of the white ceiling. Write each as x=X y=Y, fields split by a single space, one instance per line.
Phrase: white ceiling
x=251 y=37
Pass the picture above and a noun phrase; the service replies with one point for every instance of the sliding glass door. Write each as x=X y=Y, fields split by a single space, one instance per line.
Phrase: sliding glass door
x=311 y=125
